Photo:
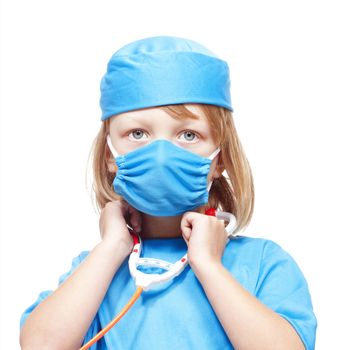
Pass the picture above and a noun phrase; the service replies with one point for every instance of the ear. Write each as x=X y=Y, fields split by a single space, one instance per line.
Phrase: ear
x=110 y=161
x=218 y=169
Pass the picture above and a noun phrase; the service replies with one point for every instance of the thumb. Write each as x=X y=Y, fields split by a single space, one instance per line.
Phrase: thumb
x=135 y=219
x=186 y=225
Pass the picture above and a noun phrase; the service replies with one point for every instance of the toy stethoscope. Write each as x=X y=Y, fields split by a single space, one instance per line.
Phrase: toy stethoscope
x=145 y=281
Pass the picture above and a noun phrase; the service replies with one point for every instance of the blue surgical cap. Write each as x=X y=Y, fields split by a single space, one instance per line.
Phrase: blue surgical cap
x=160 y=71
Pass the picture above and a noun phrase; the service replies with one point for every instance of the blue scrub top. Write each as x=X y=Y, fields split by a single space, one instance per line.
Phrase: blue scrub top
x=178 y=315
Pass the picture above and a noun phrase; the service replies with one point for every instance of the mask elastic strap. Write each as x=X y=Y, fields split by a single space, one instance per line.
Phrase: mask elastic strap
x=114 y=152
x=214 y=154
x=211 y=157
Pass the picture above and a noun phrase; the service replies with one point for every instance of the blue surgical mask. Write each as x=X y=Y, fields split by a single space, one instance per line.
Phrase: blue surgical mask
x=162 y=179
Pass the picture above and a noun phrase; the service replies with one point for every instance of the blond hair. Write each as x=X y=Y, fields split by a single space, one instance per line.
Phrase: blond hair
x=233 y=193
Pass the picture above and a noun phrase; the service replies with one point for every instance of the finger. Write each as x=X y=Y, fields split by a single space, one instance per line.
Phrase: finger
x=124 y=209
x=131 y=215
x=186 y=233
x=189 y=218
x=187 y=224
x=135 y=219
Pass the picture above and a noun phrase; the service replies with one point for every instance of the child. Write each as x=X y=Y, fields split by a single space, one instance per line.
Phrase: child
x=167 y=151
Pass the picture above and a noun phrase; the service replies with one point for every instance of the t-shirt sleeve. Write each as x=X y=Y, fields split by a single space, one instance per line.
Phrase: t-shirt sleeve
x=43 y=295
x=282 y=287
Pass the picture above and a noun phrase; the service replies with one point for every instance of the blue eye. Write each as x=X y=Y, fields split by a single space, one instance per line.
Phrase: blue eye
x=189 y=135
x=137 y=134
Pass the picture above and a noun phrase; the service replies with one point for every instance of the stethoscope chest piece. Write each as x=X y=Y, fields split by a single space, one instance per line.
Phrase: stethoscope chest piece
x=149 y=280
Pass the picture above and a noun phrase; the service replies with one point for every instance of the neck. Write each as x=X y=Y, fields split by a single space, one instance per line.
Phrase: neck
x=163 y=226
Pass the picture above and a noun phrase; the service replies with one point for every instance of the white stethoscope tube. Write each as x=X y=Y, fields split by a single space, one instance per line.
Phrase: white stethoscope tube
x=146 y=281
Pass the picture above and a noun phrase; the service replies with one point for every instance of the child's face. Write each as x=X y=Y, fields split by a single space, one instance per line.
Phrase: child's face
x=138 y=128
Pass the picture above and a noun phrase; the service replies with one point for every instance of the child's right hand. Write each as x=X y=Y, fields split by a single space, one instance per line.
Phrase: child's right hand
x=112 y=223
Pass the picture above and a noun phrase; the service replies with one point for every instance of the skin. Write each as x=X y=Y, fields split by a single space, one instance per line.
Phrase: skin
x=134 y=129
x=62 y=320
x=248 y=323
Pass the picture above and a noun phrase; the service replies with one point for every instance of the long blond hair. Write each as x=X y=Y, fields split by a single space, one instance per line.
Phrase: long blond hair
x=233 y=192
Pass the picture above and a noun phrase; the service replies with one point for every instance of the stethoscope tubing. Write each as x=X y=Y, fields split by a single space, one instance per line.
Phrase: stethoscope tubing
x=145 y=281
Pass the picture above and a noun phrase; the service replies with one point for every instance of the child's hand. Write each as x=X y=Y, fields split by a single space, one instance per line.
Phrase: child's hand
x=112 y=223
x=205 y=236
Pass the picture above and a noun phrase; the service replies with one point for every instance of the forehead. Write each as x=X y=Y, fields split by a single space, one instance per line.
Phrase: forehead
x=160 y=114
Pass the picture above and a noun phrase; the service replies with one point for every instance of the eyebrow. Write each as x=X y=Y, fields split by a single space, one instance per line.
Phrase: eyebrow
x=187 y=122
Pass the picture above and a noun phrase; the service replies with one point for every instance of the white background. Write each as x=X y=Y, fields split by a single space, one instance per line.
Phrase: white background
x=284 y=61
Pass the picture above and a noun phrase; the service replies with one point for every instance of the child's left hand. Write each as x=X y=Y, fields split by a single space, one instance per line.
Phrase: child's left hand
x=205 y=236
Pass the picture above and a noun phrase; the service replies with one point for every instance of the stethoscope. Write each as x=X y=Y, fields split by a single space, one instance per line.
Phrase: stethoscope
x=145 y=281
